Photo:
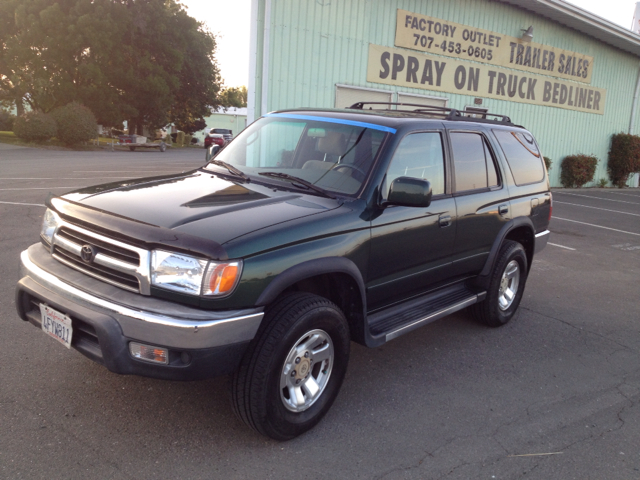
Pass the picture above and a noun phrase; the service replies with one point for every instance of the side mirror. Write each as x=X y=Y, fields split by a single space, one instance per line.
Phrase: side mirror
x=409 y=192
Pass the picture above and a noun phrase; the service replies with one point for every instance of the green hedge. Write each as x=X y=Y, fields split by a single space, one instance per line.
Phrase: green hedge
x=75 y=124
x=34 y=127
x=6 y=121
x=624 y=158
x=578 y=170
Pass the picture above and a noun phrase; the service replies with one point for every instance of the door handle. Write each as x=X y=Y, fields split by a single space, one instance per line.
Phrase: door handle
x=503 y=209
x=444 y=220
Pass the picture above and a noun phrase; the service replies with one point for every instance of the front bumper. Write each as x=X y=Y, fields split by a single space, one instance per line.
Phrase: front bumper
x=105 y=319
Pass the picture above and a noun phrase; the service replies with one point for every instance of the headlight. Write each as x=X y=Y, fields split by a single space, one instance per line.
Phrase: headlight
x=194 y=276
x=177 y=272
x=49 y=224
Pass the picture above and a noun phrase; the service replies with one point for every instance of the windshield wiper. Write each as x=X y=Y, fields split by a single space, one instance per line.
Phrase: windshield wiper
x=233 y=170
x=294 y=179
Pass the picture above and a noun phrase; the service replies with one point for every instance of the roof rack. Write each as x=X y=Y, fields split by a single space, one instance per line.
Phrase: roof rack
x=442 y=112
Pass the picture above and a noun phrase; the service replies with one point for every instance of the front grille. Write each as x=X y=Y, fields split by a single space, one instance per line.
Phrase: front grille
x=110 y=249
x=100 y=271
x=112 y=261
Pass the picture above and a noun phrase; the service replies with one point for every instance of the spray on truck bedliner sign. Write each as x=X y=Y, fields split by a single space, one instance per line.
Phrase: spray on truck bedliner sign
x=393 y=66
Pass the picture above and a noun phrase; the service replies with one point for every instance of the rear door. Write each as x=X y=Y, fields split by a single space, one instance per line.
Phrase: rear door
x=481 y=198
x=411 y=247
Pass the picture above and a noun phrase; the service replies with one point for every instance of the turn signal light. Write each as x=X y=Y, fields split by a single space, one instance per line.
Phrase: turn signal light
x=221 y=278
x=149 y=353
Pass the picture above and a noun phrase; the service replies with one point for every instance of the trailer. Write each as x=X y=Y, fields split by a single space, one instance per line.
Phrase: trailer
x=137 y=141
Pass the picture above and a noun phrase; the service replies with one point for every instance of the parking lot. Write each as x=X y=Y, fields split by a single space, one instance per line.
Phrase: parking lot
x=553 y=394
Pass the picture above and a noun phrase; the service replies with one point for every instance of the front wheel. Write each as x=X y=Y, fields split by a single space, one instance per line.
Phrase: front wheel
x=293 y=369
x=505 y=288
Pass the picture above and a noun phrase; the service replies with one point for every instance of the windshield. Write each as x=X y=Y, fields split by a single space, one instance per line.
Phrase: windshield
x=333 y=154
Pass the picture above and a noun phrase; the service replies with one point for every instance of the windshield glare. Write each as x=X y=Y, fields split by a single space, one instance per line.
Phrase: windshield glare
x=334 y=156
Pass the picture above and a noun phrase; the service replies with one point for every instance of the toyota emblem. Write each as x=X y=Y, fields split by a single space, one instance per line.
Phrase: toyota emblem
x=87 y=253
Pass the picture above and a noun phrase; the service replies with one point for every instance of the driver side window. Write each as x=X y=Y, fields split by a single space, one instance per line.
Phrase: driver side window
x=419 y=155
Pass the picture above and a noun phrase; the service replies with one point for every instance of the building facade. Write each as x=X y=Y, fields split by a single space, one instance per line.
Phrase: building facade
x=570 y=77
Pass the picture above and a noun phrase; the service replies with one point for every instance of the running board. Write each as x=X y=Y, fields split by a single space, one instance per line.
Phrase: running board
x=400 y=319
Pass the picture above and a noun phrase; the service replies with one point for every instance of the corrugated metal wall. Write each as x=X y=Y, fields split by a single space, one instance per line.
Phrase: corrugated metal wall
x=316 y=44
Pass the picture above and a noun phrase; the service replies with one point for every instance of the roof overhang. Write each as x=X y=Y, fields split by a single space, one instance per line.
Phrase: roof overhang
x=583 y=21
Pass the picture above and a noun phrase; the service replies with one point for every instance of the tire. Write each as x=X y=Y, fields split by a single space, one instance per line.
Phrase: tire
x=506 y=286
x=272 y=390
x=163 y=147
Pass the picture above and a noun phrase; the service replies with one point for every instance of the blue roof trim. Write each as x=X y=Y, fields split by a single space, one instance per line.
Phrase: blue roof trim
x=373 y=126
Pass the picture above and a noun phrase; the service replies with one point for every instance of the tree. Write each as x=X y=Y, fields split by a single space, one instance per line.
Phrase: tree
x=234 y=97
x=142 y=60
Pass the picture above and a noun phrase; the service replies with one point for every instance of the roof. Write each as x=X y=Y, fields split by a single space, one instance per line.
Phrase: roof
x=231 y=111
x=583 y=21
x=384 y=120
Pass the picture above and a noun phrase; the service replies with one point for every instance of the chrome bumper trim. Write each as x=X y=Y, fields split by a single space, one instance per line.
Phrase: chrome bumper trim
x=150 y=326
x=541 y=240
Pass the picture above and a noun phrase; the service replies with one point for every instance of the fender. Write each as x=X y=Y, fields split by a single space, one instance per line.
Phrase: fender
x=495 y=248
x=310 y=269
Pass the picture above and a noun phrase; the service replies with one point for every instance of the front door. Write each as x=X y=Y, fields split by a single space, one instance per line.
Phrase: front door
x=412 y=246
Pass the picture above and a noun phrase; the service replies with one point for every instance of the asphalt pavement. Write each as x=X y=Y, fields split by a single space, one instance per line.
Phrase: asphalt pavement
x=552 y=395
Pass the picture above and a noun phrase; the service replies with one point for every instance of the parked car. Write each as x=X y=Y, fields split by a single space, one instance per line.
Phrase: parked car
x=225 y=132
x=312 y=229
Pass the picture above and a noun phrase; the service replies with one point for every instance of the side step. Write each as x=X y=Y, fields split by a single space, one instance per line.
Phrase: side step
x=400 y=319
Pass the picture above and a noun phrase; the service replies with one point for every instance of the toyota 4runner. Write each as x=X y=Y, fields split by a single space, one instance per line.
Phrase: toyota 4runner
x=311 y=229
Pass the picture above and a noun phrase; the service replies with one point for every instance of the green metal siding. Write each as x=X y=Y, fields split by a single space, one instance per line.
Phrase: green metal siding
x=316 y=44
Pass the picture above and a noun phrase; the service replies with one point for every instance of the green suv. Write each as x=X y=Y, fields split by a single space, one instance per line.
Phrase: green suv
x=310 y=230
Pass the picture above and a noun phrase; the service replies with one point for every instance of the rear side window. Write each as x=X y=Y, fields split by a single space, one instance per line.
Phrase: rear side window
x=473 y=162
x=523 y=156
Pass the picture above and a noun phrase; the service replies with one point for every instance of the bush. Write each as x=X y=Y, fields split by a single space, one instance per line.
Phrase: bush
x=180 y=139
x=547 y=162
x=75 y=124
x=34 y=127
x=624 y=158
x=6 y=121
x=578 y=170
x=167 y=139
x=187 y=140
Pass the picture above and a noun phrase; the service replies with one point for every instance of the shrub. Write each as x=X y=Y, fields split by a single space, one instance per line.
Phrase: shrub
x=547 y=162
x=602 y=182
x=6 y=121
x=34 y=127
x=187 y=140
x=180 y=139
x=624 y=158
x=578 y=170
x=167 y=139
x=75 y=123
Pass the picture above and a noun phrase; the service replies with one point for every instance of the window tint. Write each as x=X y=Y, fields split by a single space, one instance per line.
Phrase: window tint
x=523 y=156
x=469 y=161
x=419 y=155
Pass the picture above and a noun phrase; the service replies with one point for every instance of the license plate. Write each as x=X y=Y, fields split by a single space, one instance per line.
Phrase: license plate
x=56 y=325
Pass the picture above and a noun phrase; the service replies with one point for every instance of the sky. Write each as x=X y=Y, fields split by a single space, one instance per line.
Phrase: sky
x=229 y=21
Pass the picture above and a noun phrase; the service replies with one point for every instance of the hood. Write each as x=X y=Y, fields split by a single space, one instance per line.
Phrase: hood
x=202 y=204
